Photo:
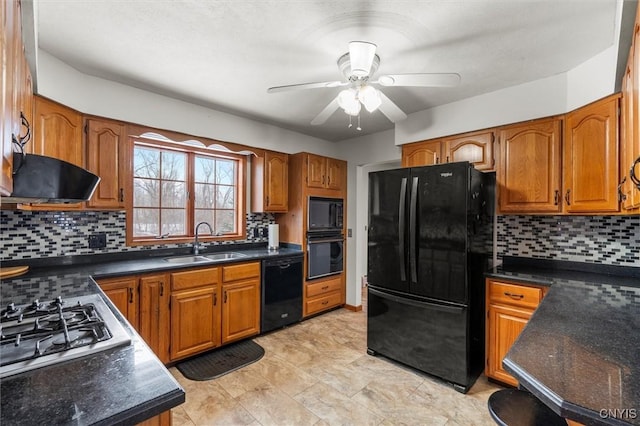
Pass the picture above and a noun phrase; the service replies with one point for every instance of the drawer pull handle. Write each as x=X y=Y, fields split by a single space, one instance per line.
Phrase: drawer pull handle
x=215 y=299
x=326 y=287
x=130 y=295
x=514 y=296
x=325 y=302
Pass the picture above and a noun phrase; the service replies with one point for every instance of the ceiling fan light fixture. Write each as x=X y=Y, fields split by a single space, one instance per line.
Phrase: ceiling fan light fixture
x=369 y=97
x=348 y=101
x=361 y=54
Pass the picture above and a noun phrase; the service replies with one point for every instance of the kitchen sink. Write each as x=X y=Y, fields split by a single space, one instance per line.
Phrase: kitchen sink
x=186 y=259
x=224 y=256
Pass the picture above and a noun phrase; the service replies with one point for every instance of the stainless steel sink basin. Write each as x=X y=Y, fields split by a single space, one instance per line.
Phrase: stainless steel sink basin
x=224 y=256
x=186 y=259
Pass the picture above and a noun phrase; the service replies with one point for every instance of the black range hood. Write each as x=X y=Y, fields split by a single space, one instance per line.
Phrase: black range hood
x=40 y=179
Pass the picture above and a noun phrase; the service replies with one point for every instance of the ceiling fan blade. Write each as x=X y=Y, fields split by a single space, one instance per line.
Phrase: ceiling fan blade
x=305 y=86
x=420 y=80
x=361 y=54
x=326 y=112
x=391 y=110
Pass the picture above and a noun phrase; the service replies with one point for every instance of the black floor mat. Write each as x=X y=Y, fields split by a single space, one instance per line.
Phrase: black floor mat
x=221 y=361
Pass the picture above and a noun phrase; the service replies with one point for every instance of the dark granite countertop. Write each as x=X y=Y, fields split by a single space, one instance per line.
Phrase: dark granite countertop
x=580 y=351
x=122 y=385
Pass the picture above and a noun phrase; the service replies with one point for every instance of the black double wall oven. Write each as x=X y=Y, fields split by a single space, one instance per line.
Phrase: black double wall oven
x=325 y=239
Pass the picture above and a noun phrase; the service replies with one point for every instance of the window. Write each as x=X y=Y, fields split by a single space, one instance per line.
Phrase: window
x=176 y=187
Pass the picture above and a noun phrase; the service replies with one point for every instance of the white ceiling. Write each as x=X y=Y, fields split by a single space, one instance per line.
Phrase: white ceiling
x=224 y=54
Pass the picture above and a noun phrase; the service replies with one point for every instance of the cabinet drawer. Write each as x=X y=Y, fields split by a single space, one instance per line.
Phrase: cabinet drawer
x=513 y=294
x=239 y=272
x=192 y=279
x=317 y=289
x=322 y=303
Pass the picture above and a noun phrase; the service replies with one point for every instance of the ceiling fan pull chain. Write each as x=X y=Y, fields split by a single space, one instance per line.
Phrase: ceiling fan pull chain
x=358 y=128
x=350 y=125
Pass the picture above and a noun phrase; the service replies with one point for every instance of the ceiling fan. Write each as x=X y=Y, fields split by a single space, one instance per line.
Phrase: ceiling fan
x=358 y=66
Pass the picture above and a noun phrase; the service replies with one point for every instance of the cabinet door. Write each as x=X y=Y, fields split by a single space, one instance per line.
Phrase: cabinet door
x=421 y=154
x=476 y=148
x=154 y=314
x=334 y=173
x=505 y=325
x=8 y=10
x=105 y=141
x=276 y=182
x=529 y=173
x=591 y=158
x=195 y=321
x=316 y=166
x=626 y=137
x=123 y=293
x=240 y=310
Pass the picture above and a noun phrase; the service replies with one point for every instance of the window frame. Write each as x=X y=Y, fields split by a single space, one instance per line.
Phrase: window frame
x=191 y=151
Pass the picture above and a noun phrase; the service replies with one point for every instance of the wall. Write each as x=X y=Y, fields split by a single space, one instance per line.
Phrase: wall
x=30 y=235
x=92 y=95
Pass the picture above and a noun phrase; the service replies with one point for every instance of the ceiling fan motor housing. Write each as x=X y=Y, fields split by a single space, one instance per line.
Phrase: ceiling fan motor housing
x=344 y=64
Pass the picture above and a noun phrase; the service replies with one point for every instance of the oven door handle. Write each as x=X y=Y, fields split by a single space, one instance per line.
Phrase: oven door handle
x=325 y=240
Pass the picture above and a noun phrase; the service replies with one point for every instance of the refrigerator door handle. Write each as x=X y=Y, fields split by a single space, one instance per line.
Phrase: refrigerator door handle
x=412 y=230
x=401 y=226
x=420 y=304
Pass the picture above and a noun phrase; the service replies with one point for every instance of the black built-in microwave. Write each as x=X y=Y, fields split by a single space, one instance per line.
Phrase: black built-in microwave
x=325 y=214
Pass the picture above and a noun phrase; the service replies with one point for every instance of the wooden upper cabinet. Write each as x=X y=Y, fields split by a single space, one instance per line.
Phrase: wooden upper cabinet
x=58 y=132
x=106 y=144
x=630 y=125
x=270 y=182
x=7 y=119
x=476 y=148
x=421 y=153
x=326 y=173
x=591 y=158
x=316 y=171
x=528 y=177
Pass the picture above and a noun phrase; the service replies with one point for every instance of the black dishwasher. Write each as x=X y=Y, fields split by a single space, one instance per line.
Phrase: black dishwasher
x=281 y=292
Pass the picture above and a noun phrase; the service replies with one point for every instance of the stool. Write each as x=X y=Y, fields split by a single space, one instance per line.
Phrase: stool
x=514 y=407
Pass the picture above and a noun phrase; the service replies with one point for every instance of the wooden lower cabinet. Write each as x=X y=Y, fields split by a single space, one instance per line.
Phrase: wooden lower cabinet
x=323 y=294
x=154 y=314
x=162 y=419
x=509 y=306
x=123 y=293
x=195 y=311
x=240 y=301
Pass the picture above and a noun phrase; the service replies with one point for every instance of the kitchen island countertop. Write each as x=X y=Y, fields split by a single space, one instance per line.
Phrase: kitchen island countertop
x=579 y=352
x=122 y=385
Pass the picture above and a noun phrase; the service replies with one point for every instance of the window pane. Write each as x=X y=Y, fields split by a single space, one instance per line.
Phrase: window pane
x=174 y=221
x=203 y=216
x=225 y=197
x=205 y=168
x=145 y=222
x=225 y=222
x=225 y=172
x=204 y=195
x=174 y=194
x=146 y=162
x=146 y=193
x=174 y=165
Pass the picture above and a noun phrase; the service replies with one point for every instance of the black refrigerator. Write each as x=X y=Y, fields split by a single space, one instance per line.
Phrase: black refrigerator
x=430 y=241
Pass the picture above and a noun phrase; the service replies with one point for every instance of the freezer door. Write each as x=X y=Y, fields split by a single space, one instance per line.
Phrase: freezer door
x=438 y=244
x=387 y=237
x=427 y=336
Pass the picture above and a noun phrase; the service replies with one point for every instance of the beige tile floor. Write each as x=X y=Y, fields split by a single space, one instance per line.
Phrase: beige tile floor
x=318 y=373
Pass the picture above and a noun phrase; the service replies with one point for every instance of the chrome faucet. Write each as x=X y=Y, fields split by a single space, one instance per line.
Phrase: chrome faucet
x=196 y=245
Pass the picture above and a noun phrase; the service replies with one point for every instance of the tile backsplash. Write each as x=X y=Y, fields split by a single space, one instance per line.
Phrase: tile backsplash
x=609 y=240
x=30 y=235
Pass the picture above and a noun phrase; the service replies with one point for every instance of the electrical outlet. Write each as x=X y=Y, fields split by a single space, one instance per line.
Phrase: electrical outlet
x=256 y=232
x=98 y=241
x=263 y=232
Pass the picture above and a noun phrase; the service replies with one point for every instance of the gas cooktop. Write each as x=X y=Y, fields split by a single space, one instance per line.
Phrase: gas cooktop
x=39 y=334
